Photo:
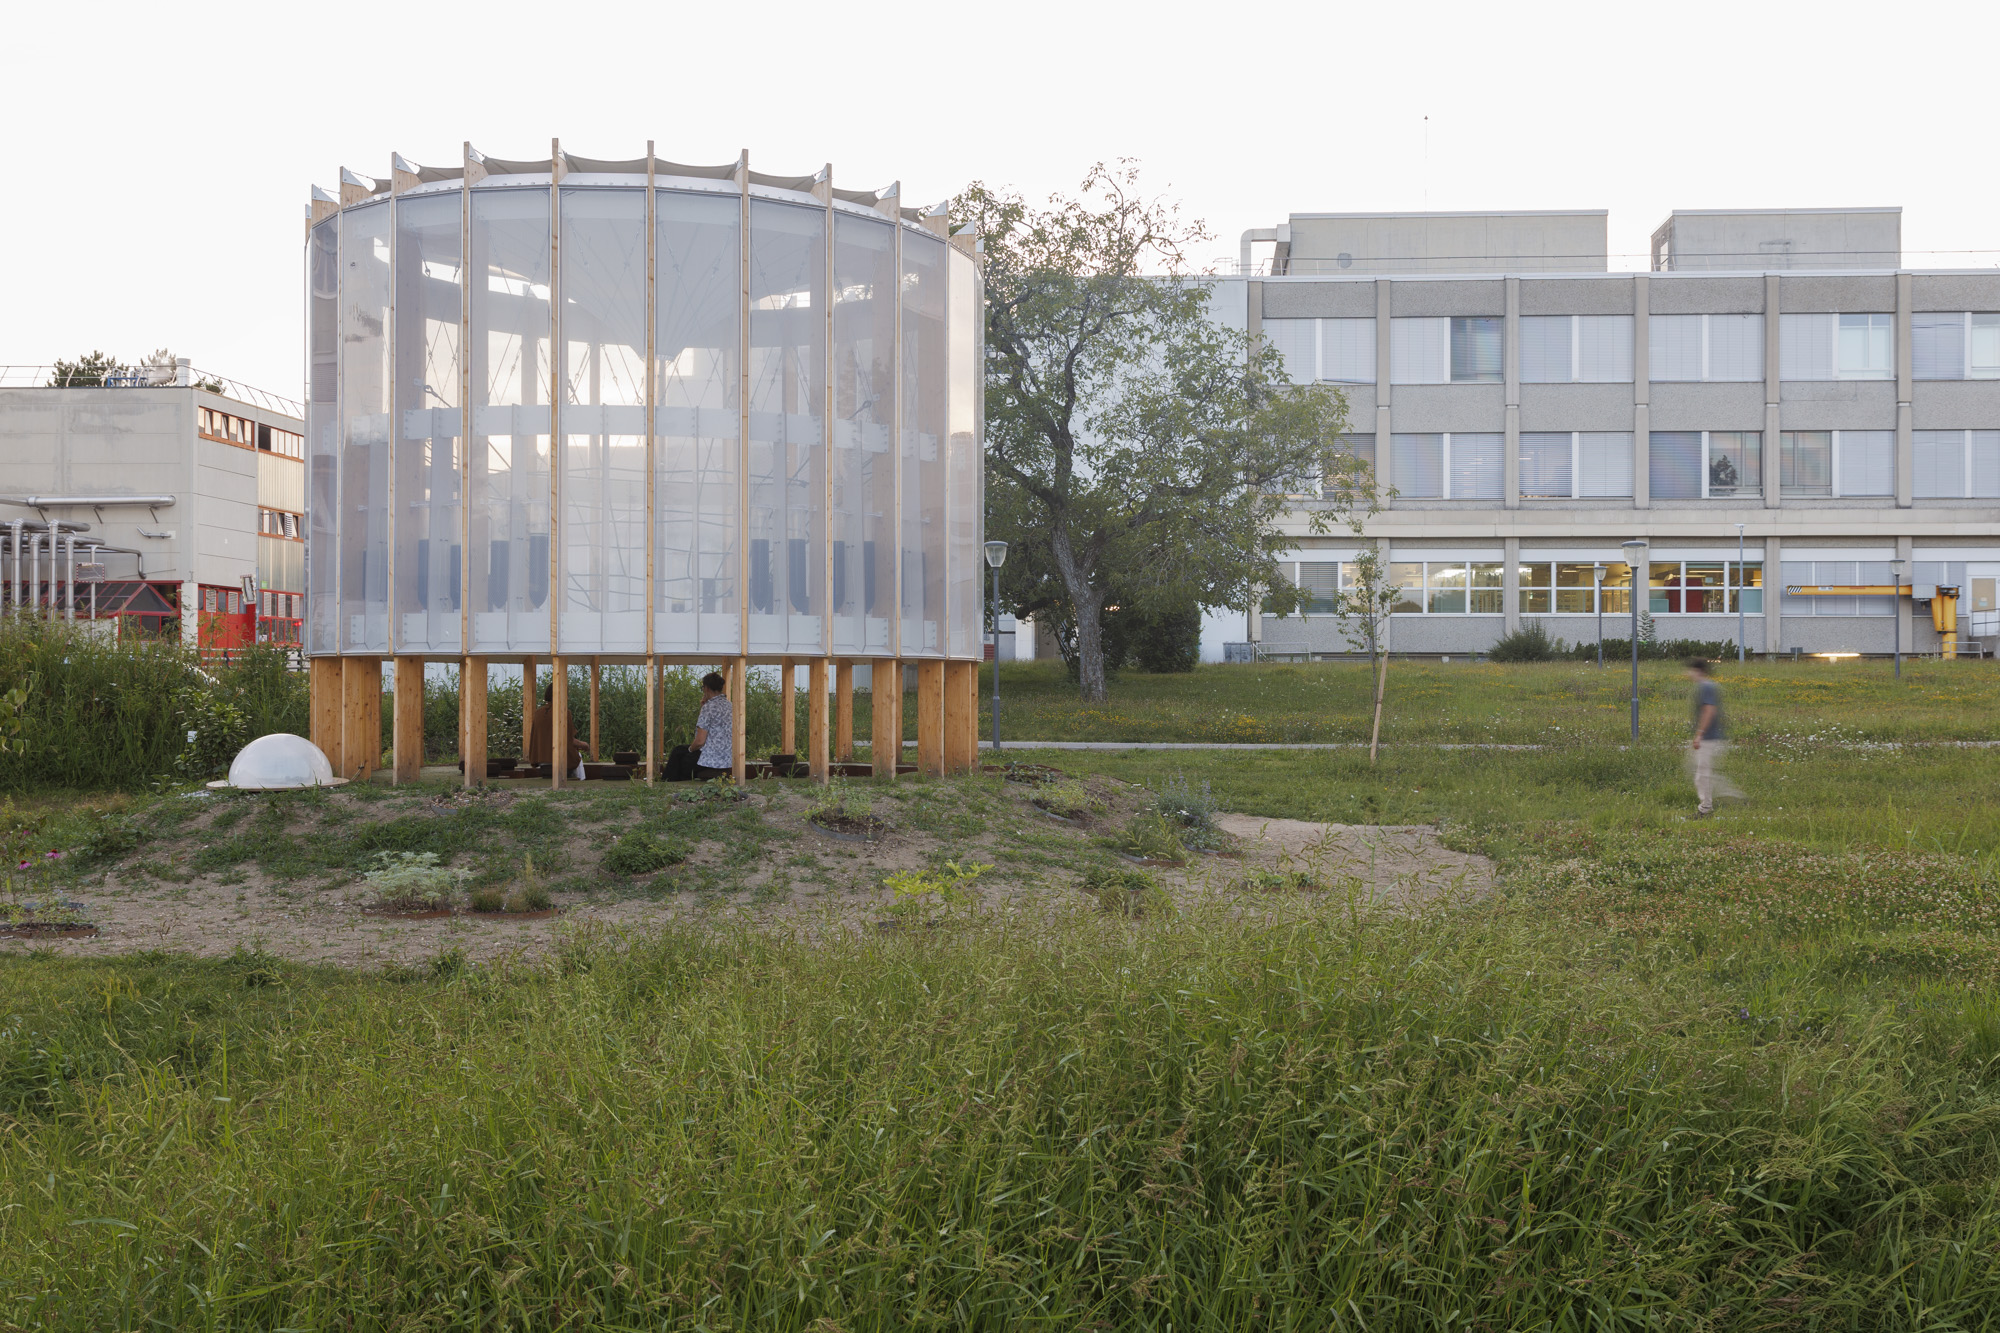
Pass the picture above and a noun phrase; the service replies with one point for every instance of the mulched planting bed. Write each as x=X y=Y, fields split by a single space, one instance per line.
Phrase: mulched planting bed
x=48 y=930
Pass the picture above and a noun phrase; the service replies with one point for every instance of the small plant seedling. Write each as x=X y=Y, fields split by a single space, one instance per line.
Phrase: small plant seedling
x=1132 y=893
x=489 y=900
x=640 y=852
x=1151 y=836
x=915 y=893
x=1281 y=881
x=1068 y=799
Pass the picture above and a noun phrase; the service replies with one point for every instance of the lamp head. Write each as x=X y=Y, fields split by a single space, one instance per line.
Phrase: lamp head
x=1635 y=552
x=996 y=554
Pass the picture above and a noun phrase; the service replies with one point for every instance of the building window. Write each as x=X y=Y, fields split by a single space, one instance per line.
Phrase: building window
x=1706 y=348
x=1447 y=587
x=1332 y=351
x=1361 y=447
x=1956 y=464
x=1576 y=349
x=1458 y=349
x=1320 y=580
x=1954 y=345
x=1674 y=464
x=1837 y=463
x=1704 y=587
x=1576 y=465
x=1462 y=466
x=1705 y=464
x=1837 y=347
x=1567 y=588
x=1837 y=573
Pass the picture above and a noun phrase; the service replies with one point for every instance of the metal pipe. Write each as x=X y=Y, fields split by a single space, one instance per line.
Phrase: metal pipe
x=19 y=597
x=85 y=501
x=69 y=577
x=1739 y=592
x=35 y=570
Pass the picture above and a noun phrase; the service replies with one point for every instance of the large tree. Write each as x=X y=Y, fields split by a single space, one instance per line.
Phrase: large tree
x=1137 y=446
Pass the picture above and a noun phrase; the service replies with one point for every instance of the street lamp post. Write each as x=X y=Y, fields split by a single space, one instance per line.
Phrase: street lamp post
x=1597 y=586
x=1635 y=558
x=1896 y=609
x=996 y=556
x=1739 y=592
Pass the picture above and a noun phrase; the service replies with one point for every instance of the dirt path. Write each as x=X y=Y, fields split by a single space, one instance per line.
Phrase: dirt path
x=1399 y=865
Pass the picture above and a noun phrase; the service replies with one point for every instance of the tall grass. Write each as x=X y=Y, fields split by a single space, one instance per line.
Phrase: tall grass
x=115 y=714
x=1482 y=1121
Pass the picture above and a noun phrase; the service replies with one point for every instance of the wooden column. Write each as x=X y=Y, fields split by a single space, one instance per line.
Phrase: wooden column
x=961 y=716
x=816 y=738
x=323 y=679
x=843 y=712
x=885 y=704
x=596 y=680
x=360 y=716
x=739 y=710
x=558 y=721
x=472 y=719
x=788 y=741
x=652 y=719
x=406 y=727
x=930 y=718
x=527 y=704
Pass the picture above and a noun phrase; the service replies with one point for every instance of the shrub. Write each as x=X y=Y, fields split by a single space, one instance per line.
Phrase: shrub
x=641 y=852
x=1530 y=643
x=413 y=882
x=1068 y=798
x=1192 y=812
x=841 y=800
x=1126 y=892
x=1280 y=881
x=489 y=900
x=531 y=898
x=915 y=892
x=1151 y=836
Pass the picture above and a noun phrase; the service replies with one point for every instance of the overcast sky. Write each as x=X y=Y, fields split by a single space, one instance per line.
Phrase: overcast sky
x=160 y=155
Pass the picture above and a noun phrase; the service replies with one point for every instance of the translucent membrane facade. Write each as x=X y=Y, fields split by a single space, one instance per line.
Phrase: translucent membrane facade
x=618 y=409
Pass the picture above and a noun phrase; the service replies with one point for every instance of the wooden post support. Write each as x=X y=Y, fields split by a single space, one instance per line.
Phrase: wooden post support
x=739 y=715
x=559 y=728
x=788 y=740
x=527 y=704
x=816 y=719
x=930 y=718
x=406 y=727
x=360 y=723
x=885 y=704
x=843 y=712
x=652 y=719
x=472 y=719
x=961 y=716
x=596 y=680
x=323 y=675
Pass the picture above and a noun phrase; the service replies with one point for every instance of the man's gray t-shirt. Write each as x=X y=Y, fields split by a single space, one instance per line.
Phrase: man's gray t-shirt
x=1708 y=694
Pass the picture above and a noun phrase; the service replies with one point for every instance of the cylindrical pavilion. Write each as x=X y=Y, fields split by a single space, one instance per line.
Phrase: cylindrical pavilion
x=638 y=412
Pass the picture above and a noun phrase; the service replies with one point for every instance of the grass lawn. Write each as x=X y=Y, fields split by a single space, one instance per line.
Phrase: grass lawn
x=1741 y=1073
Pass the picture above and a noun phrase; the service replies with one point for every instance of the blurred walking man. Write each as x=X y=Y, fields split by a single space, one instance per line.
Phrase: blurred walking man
x=1710 y=743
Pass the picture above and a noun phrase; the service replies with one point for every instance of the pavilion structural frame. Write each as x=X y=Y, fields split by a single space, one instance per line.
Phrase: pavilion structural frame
x=585 y=413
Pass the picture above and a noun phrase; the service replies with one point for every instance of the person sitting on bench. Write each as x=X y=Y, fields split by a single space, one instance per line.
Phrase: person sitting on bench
x=713 y=753
x=541 y=733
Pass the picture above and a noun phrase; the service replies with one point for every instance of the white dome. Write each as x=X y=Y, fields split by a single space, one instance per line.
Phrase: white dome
x=280 y=762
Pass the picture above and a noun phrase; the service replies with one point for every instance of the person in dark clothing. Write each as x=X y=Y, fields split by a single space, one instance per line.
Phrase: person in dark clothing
x=1710 y=743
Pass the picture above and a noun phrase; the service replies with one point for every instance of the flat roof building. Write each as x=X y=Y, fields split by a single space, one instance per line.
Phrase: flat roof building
x=1775 y=373
x=172 y=507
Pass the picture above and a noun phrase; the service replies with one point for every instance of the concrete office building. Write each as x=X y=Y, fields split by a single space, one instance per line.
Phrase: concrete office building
x=166 y=508
x=1775 y=372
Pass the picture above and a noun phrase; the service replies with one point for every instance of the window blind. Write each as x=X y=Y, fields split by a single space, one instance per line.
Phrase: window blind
x=1937 y=464
x=1420 y=351
x=1674 y=464
x=1805 y=347
x=1867 y=462
x=1417 y=466
x=1604 y=463
x=1293 y=340
x=1545 y=463
x=1937 y=345
x=1604 y=349
x=1475 y=349
x=1735 y=348
x=1347 y=350
x=1983 y=471
x=1477 y=461
x=1984 y=360
x=1674 y=347
x=1319 y=579
x=1545 y=353
x=1805 y=462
